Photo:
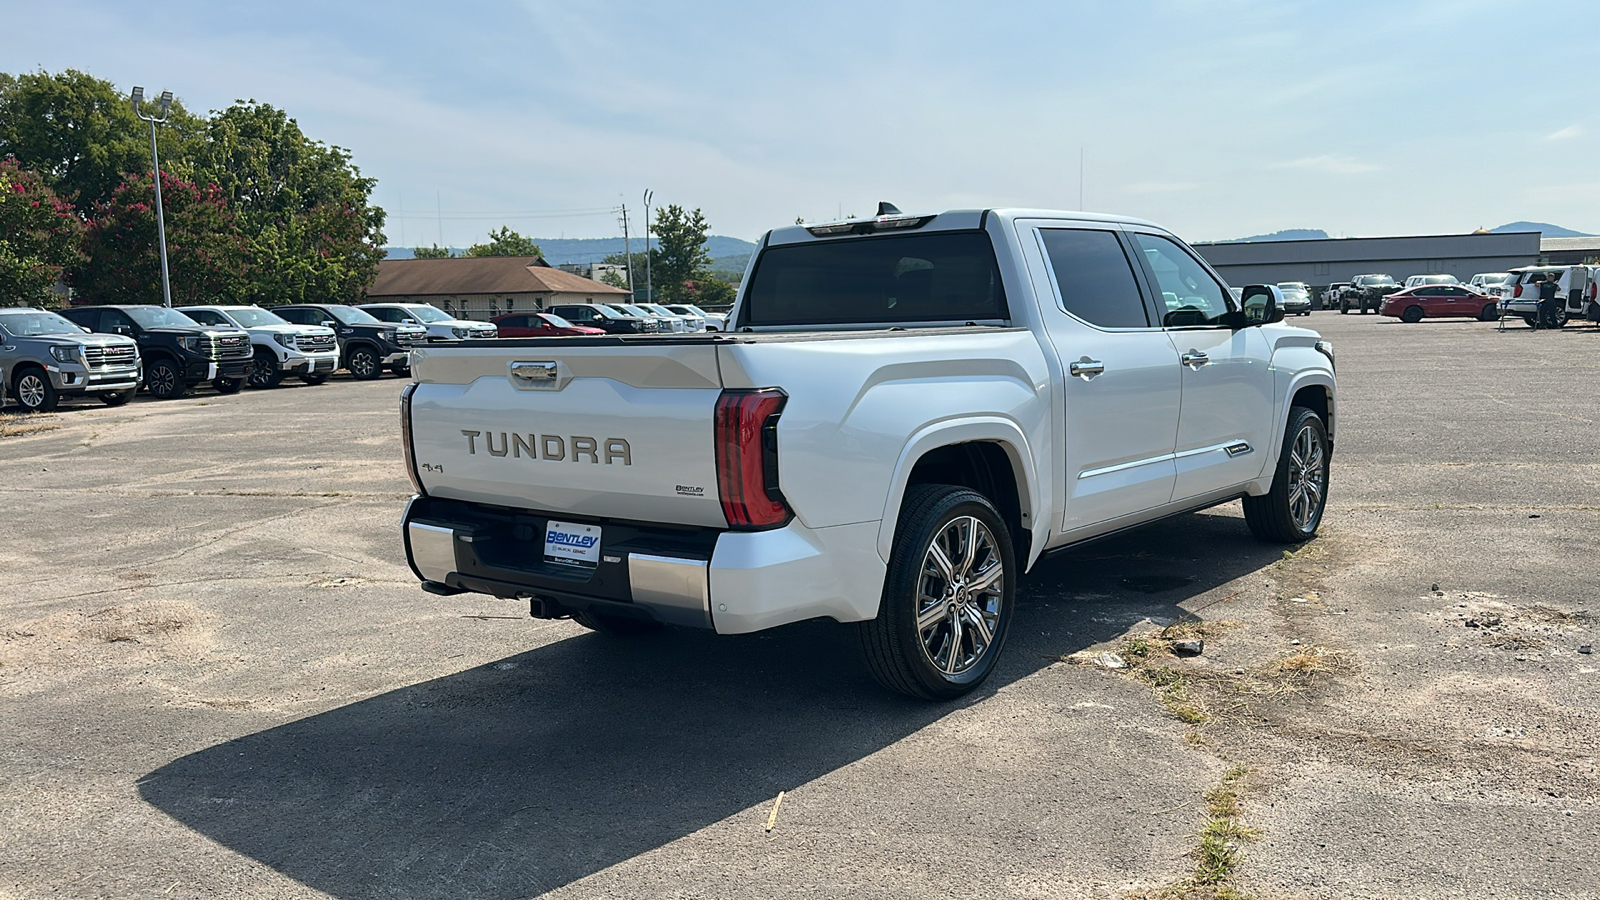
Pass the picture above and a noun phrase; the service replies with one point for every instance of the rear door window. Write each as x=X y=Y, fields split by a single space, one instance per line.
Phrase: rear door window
x=1094 y=277
x=947 y=276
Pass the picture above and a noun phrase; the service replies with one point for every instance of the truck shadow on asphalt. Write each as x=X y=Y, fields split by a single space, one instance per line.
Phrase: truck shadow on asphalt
x=527 y=774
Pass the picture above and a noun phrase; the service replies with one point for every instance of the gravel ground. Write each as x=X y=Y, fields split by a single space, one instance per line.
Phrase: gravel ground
x=218 y=679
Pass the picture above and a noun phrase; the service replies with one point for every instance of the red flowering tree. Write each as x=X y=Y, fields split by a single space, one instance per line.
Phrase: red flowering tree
x=39 y=235
x=206 y=254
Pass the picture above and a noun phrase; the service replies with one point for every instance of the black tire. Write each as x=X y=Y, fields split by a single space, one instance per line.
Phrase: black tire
x=1532 y=322
x=1558 y=320
x=903 y=656
x=1344 y=309
x=1412 y=314
x=33 y=391
x=227 y=385
x=1274 y=517
x=164 y=380
x=265 y=371
x=363 y=364
x=116 y=398
x=318 y=378
x=401 y=371
x=615 y=624
x=1491 y=313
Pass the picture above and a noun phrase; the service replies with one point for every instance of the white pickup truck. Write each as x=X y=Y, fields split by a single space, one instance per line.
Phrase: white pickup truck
x=906 y=413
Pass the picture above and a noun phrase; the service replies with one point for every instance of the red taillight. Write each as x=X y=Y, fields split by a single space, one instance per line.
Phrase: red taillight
x=1517 y=292
x=747 y=459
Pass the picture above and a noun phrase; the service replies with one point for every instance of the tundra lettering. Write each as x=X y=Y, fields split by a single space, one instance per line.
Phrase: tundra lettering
x=553 y=447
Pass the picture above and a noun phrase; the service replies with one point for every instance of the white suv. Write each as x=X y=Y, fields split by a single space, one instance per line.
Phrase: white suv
x=441 y=325
x=281 y=347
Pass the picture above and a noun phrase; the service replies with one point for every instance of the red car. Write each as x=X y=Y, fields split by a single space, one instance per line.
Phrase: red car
x=538 y=325
x=1439 y=301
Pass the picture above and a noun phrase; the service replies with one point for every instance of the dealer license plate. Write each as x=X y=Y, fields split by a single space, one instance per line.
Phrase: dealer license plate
x=572 y=545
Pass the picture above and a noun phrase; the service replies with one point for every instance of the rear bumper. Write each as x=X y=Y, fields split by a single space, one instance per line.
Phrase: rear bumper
x=731 y=582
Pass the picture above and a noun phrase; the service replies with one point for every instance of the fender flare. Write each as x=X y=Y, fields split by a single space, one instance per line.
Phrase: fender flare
x=967 y=430
x=1310 y=378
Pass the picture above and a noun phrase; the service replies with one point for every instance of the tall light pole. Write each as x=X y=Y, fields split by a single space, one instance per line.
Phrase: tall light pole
x=155 y=160
x=649 y=288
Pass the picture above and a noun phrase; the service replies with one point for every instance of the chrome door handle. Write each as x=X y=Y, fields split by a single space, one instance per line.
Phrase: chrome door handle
x=1086 y=367
x=1195 y=358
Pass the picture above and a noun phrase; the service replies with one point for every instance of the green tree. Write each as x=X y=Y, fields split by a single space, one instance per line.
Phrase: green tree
x=80 y=134
x=679 y=256
x=206 y=254
x=505 y=242
x=711 y=292
x=303 y=207
x=433 y=252
x=614 y=278
x=39 y=237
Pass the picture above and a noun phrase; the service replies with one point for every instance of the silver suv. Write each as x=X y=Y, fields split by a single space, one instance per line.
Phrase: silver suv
x=44 y=357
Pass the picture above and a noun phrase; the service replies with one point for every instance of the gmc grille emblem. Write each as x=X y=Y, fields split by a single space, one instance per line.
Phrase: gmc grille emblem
x=554 y=447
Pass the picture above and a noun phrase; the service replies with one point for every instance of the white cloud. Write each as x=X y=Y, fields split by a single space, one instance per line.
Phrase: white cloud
x=1336 y=165
x=1567 y=133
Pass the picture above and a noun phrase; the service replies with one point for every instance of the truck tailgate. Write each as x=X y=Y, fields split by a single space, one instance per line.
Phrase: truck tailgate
x=621 y=431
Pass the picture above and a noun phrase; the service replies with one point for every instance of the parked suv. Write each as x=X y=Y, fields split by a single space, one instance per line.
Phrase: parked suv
x=598 y=315
x=366 y=345
x=44 y=357
x=178 y=352
x=1420 y=280
x=441 y=325
x=1296 y=298
x=654 y=321
x=1366 y=292
x=708 y=321
x=281 y=348
x=1577 y=288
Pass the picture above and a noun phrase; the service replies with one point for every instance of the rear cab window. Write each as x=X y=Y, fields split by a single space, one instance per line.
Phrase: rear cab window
x=933 y=277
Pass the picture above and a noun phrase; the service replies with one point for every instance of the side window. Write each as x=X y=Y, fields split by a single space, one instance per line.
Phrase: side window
x=386 y=315
x=88 y=318
x=112 y=320
x=297 y=316
x=1189 y=295
x=207 y=317
x=1095 y=278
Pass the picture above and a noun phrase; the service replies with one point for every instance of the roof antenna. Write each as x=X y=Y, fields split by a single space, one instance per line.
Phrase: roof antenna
x=886 y=208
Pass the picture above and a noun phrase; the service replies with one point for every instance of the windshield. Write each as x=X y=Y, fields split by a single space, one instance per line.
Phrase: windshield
x=631 y=310
x=349 y=315
x=425 y=313
x=28 y=323
x=1292 y=286
x=1494 y=278
x=252 y=316
x=932 y=277
x=556 y=320
x=659 y=309
x=1376 y=280
x=1439 y=279
x=158 y=317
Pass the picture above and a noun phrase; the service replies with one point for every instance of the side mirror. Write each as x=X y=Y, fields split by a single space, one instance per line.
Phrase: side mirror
x=120 y=329
x=1260 y=306
x=86 y=329
x=327 y=323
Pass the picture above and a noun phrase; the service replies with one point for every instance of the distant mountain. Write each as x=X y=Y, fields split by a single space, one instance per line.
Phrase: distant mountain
x=1544 y=229
x=1288 y=234
x=559 y=251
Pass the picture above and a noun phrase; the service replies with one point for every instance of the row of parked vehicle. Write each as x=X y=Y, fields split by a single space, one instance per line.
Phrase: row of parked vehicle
x=111 y=352
x=1487 y=296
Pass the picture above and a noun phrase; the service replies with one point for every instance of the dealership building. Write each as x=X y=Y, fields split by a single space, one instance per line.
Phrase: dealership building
x=1325 y=261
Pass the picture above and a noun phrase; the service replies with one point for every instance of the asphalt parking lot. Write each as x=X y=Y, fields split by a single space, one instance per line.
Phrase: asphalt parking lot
x=218 y=679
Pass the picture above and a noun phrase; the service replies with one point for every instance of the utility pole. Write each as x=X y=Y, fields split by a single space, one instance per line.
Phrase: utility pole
x=649 y=286
x=155 y=160
x=627 y=250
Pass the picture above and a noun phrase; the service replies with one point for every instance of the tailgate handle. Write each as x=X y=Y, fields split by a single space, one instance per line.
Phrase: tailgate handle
x=534 y=374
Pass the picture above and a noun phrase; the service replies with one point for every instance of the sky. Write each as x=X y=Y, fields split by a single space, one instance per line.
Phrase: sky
x=1215 y=118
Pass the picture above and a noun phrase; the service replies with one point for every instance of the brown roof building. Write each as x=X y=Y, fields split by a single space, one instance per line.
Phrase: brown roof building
x=481 y=287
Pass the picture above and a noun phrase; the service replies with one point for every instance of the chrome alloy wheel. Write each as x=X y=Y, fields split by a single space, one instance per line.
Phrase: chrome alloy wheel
x=1308 y=477
x=30 y=390
x=959 y=597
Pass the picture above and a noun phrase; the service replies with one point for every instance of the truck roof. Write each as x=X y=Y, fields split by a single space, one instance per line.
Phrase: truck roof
x=950 y=220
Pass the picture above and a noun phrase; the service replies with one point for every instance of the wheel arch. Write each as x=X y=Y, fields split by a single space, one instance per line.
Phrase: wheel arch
x=989 y=455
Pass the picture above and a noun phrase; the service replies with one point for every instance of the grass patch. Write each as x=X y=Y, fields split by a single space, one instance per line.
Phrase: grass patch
x=1172 y=687
x=1221 y=841
x=14 y=425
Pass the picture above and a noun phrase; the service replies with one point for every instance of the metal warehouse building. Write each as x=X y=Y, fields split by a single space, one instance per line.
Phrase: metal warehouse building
x=1322 y=262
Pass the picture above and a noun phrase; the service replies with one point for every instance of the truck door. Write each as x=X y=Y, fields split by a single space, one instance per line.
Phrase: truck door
x=1121 y=388
x=1225 y=433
